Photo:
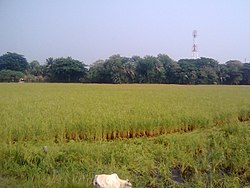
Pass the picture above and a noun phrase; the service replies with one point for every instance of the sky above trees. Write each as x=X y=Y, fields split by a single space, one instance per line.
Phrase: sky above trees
x=94 y=29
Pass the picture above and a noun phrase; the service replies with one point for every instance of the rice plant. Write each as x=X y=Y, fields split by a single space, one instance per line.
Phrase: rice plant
x=61 y=135
x=75 y=111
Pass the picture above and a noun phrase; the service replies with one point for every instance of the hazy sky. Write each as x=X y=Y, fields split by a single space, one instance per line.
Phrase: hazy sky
x=89 y=30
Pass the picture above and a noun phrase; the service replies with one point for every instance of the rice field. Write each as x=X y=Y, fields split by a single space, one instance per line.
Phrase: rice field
x=155 y=135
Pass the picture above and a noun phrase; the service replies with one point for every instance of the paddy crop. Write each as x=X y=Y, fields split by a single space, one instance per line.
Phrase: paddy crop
x=76 y=111
x=155 y=135
x=216 y=157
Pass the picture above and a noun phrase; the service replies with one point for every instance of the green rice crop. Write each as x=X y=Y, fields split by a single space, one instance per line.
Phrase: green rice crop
x=215 y=157
x=46 y=111
x=199 y=135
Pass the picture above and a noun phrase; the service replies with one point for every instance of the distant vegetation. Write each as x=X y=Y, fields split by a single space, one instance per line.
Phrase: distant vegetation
x=116 y=69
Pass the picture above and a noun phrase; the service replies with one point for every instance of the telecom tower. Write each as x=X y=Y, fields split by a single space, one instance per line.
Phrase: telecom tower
x=194 y=48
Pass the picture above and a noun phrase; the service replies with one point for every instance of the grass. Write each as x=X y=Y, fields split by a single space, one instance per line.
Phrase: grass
x=76 y=120
x=216 y=157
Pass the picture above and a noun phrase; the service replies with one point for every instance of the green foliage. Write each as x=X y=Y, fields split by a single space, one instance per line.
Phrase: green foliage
x=14 y=62
x=162 y=69
x=35 y=68
x=234 y=72
x=10 y=76
x=199 y=71
x=246 y=74
x=67 y=70
x=115 y=70
x=171 y=69
x=97 y=73
x=35 y=72
x=118 y=70
x=150 y=70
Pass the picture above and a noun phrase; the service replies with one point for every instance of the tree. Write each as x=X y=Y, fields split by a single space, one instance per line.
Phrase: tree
x=171 y=69
x=50 y=61
x=142 y=70
x=234 y=72
x=35 y=72
x=114 y=69
x=128 y=71
x=199 y=71
x=98 y=74
x=149 y=70
x=245 y=74
x=223 y=74
x=47 y=69
x=35 y=68
x=188 y=74
x=13 y=61
x=67 y=70
x=207 y=71
x=10 y=76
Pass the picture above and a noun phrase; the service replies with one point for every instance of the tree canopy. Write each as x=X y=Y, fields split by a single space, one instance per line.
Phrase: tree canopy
x=14 y=62
x=10 y=76
x=67 y=70
x=117 y=69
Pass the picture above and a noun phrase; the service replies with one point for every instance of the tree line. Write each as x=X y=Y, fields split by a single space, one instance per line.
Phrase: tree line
x=117 y=70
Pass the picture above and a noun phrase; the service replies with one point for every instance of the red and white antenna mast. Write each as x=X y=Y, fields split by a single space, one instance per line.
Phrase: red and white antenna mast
x=194 y=48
